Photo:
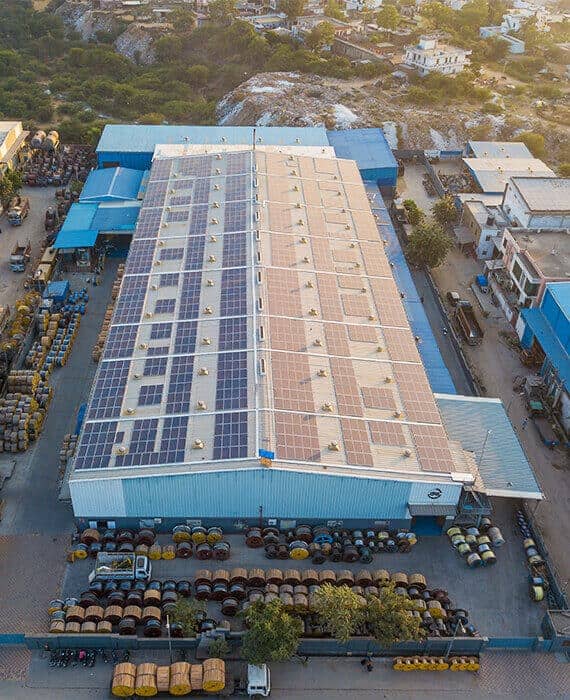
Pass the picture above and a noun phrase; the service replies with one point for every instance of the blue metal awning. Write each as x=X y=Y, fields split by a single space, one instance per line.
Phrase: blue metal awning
x=482 y=426
x=112 y=184
x=546 y=337
x=68 y=238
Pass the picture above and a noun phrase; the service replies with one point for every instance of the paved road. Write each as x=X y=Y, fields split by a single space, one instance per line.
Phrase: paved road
x=438 y=321
x=31 y=494
x=509 y=675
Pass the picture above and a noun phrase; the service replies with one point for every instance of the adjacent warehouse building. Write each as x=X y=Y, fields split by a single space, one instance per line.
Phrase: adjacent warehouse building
x=260 y=361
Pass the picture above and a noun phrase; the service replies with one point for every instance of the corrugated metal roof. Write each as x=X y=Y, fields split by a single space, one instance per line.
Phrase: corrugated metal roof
x=492 y=174
x=143 y=138
x=112 y=184
x=116 y=218
x=561 y=293
x=553 y=348
x=499 y=149
x=438 y=375
x=71 y=238
x=368 y=147
x=476 y=422
x=551 y=194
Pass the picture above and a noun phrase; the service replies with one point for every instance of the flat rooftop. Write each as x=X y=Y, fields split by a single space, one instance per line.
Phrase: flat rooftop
x=549 y=251
x=481 y=213
x=544 y=194
x=259 y=311
x=498 y=149
x=492 y=174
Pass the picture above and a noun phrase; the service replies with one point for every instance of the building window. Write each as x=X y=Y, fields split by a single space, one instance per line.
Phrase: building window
x=517 y=270
x=530 y=288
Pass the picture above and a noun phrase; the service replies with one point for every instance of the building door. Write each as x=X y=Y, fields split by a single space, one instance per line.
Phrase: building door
x=427 y=525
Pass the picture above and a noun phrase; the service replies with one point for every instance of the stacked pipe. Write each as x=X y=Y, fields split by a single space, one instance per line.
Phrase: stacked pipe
x=476 y=545
x=23 y=410
x=178 y=679
x=68 y=447
x=106 y=325
x=323 y=544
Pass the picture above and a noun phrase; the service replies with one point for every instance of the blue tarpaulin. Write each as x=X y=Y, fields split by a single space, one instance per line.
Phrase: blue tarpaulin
x=57 y=291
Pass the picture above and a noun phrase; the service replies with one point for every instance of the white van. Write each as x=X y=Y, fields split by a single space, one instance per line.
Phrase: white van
x=258 y=680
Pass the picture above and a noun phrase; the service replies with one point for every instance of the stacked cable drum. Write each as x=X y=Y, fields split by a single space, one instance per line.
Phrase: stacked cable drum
x=178 y=679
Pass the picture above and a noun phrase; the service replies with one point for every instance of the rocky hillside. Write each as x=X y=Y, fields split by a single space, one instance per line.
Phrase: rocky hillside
x=292 y=99
x=135 y=42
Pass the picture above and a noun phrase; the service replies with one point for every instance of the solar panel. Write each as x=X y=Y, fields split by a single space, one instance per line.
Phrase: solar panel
x=231 y=388
x=189 y=306
x=235 y=216
x=155 y=366
x=109 y=390
x=160 y=330
x=131 y=300
x=230 y=435
x=233 y=298
x=185 y=341
x=95 y=445
x=120 y=342
x=233 y=333
x=173 y=440
x=150 y=394
x=169 y=279
x=172 y=254
x=180 y=384
x=141 y=445
x=235 y=249
x=164 y=306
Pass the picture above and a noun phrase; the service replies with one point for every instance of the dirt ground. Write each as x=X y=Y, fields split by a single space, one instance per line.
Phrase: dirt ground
x=12 y=283
x=495 y=366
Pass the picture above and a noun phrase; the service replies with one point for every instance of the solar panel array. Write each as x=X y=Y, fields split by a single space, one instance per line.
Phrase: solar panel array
x=175 y=369
x=259 y=308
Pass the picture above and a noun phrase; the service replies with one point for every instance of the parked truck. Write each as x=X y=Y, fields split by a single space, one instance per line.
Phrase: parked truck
x=117 y=566
x=18 y=210
x=20 y=256
x=468 y=323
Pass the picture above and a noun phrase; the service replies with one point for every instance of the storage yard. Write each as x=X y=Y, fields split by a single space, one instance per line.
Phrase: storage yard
x=245 y=404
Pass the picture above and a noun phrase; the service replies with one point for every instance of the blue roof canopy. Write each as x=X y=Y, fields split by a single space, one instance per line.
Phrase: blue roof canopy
x=368 y=147
x=544 y=334
x=476 y=422
x=71 y=238
x=112 y=184
x=85 y=221
x=139 y=138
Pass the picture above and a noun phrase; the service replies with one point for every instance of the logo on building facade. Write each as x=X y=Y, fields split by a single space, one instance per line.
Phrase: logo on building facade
x=434 y=494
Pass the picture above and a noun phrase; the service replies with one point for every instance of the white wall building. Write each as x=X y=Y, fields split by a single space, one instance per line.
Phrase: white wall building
x=538 y=202
x=516 y=46
x=428 y=56
x=361 y=5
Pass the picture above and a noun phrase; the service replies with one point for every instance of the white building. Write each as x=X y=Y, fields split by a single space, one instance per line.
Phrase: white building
x=12 y=141
x=538 y=202
x=428 y=56
x=360 y=5
x=480 y=225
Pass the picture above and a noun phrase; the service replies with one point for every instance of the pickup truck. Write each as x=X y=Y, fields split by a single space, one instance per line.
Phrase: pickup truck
x=18 y=209
x=118 y=566
x=20 y=256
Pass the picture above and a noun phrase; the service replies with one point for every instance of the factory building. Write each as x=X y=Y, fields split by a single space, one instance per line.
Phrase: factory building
x=260 y=361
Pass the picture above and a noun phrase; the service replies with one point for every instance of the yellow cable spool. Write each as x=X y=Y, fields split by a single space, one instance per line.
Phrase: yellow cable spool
x=398 y=664
x=299 y=553
x=198 y=537
x=181 y=537
x=443 y=664
x=168 y=552
x=155 y=552
x=80 y=554
x=454 y=665
x=473 y=663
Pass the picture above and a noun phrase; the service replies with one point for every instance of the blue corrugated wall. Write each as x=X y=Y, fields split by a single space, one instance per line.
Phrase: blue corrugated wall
x=281 y=493
x=124 y=159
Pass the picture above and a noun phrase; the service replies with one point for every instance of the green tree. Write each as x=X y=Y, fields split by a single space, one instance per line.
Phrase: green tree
x=151 y=118
x=183 y=20
x=340 y=610
x=222 y=12
x=219 y=648
x=445 y=211
x=292 y=8
x=333 y=9
x=320 y=36
x=187 y=613
x=415 y=214
x=564 y=169
x=10 y=185
x=428 y=244
x=272 y=635
x=388 y=17
x=534 y=142
x=390 y=620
